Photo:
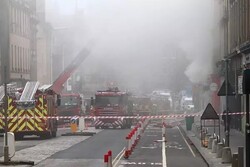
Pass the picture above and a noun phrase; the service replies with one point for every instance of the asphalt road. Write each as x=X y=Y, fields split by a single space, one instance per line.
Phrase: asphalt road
x=179 y=151
x=90 y=152
x=148 y=152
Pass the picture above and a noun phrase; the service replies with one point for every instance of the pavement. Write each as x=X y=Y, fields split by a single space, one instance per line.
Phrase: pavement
x=237 y=139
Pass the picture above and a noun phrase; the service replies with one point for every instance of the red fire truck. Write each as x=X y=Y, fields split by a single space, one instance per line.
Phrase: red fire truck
x=142 y=106
x=71 y=105
x=112 y=102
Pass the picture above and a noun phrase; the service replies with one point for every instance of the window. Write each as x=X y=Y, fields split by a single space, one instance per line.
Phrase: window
x=11 y=58
x=21 y=23
x=28 y=61
x=18 y=59
x=17 y=23
x=24 y=23
x=24 y=60
x=15 y=59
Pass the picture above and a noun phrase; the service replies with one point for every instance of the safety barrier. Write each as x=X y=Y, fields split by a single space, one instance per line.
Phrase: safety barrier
x=108 y=159
x=115 y=117
x=134 y=136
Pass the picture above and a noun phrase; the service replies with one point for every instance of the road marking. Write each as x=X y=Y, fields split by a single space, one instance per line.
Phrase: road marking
x=186 y=142
x=118 y=158
x=164 y=158
x=149 y=147
x=141 y=163
x=152 y=135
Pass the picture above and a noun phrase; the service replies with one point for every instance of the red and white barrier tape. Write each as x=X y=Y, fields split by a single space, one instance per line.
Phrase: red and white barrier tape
x=116 y=117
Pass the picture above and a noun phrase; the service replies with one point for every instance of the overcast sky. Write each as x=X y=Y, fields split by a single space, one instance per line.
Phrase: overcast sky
x=136 y=34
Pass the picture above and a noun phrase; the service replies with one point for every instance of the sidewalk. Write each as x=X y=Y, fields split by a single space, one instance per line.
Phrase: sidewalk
x=236 y=139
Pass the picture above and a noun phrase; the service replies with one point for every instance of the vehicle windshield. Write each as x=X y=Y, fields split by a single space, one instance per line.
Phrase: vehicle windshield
x=69 y=101
x=102 y=101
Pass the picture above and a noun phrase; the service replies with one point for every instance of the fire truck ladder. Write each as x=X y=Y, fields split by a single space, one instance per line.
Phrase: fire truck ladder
x=1 y=93
x=11 y=87
x=29 y=91
x=57 y=86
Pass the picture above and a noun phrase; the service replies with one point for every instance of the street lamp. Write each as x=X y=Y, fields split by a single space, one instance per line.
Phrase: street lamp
x=227 y=125
x=6 y=148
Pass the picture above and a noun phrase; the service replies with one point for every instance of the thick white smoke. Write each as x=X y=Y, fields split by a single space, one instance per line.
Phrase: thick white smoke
x=134 y=35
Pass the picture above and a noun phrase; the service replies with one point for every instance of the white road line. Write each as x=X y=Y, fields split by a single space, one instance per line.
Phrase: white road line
x=187 y=143
x=164 y=158
x=118 y=158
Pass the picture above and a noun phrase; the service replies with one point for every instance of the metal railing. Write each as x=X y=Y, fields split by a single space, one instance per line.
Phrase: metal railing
x=29 y=91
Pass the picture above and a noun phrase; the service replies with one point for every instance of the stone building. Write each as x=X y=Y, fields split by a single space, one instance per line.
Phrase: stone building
x=19 y=42
x=26 y=40
x=236 y=24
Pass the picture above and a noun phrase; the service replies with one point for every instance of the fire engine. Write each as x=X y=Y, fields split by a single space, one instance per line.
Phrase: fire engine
x=34 y=112
x=142 y=106
x=111 y=102
x=71 y=105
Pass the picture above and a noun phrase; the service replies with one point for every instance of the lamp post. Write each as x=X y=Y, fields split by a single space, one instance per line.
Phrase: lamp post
x=6 y=148
x=227 y=125
x=4 y=54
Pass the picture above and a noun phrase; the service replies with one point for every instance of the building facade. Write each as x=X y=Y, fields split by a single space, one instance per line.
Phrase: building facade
x=26 y=41
x=236 y=24
x=22 y=40
x=44 y=46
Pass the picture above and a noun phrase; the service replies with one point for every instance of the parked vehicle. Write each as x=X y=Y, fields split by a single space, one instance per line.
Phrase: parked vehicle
x=112 y=102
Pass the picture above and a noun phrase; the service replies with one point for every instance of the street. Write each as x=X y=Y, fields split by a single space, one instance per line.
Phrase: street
x=89 y=151
x=149 y=151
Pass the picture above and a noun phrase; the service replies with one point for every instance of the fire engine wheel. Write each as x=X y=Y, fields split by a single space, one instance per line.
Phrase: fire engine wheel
x=47 y=135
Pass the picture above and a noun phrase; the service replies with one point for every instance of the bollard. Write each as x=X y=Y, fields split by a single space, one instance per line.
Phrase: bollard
x=133 y=140
x=235 y=160
x=198 y=132
x=219 y=150
x=210 y=142
x=128 y=149
x=214 y=145
x=106 y=159
x=139 y=131
x=136 y=136
x=226 y=155
x=81 y=126
x=240 y=156
x=163 y=130
x=206 y=140
x=109 y=158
